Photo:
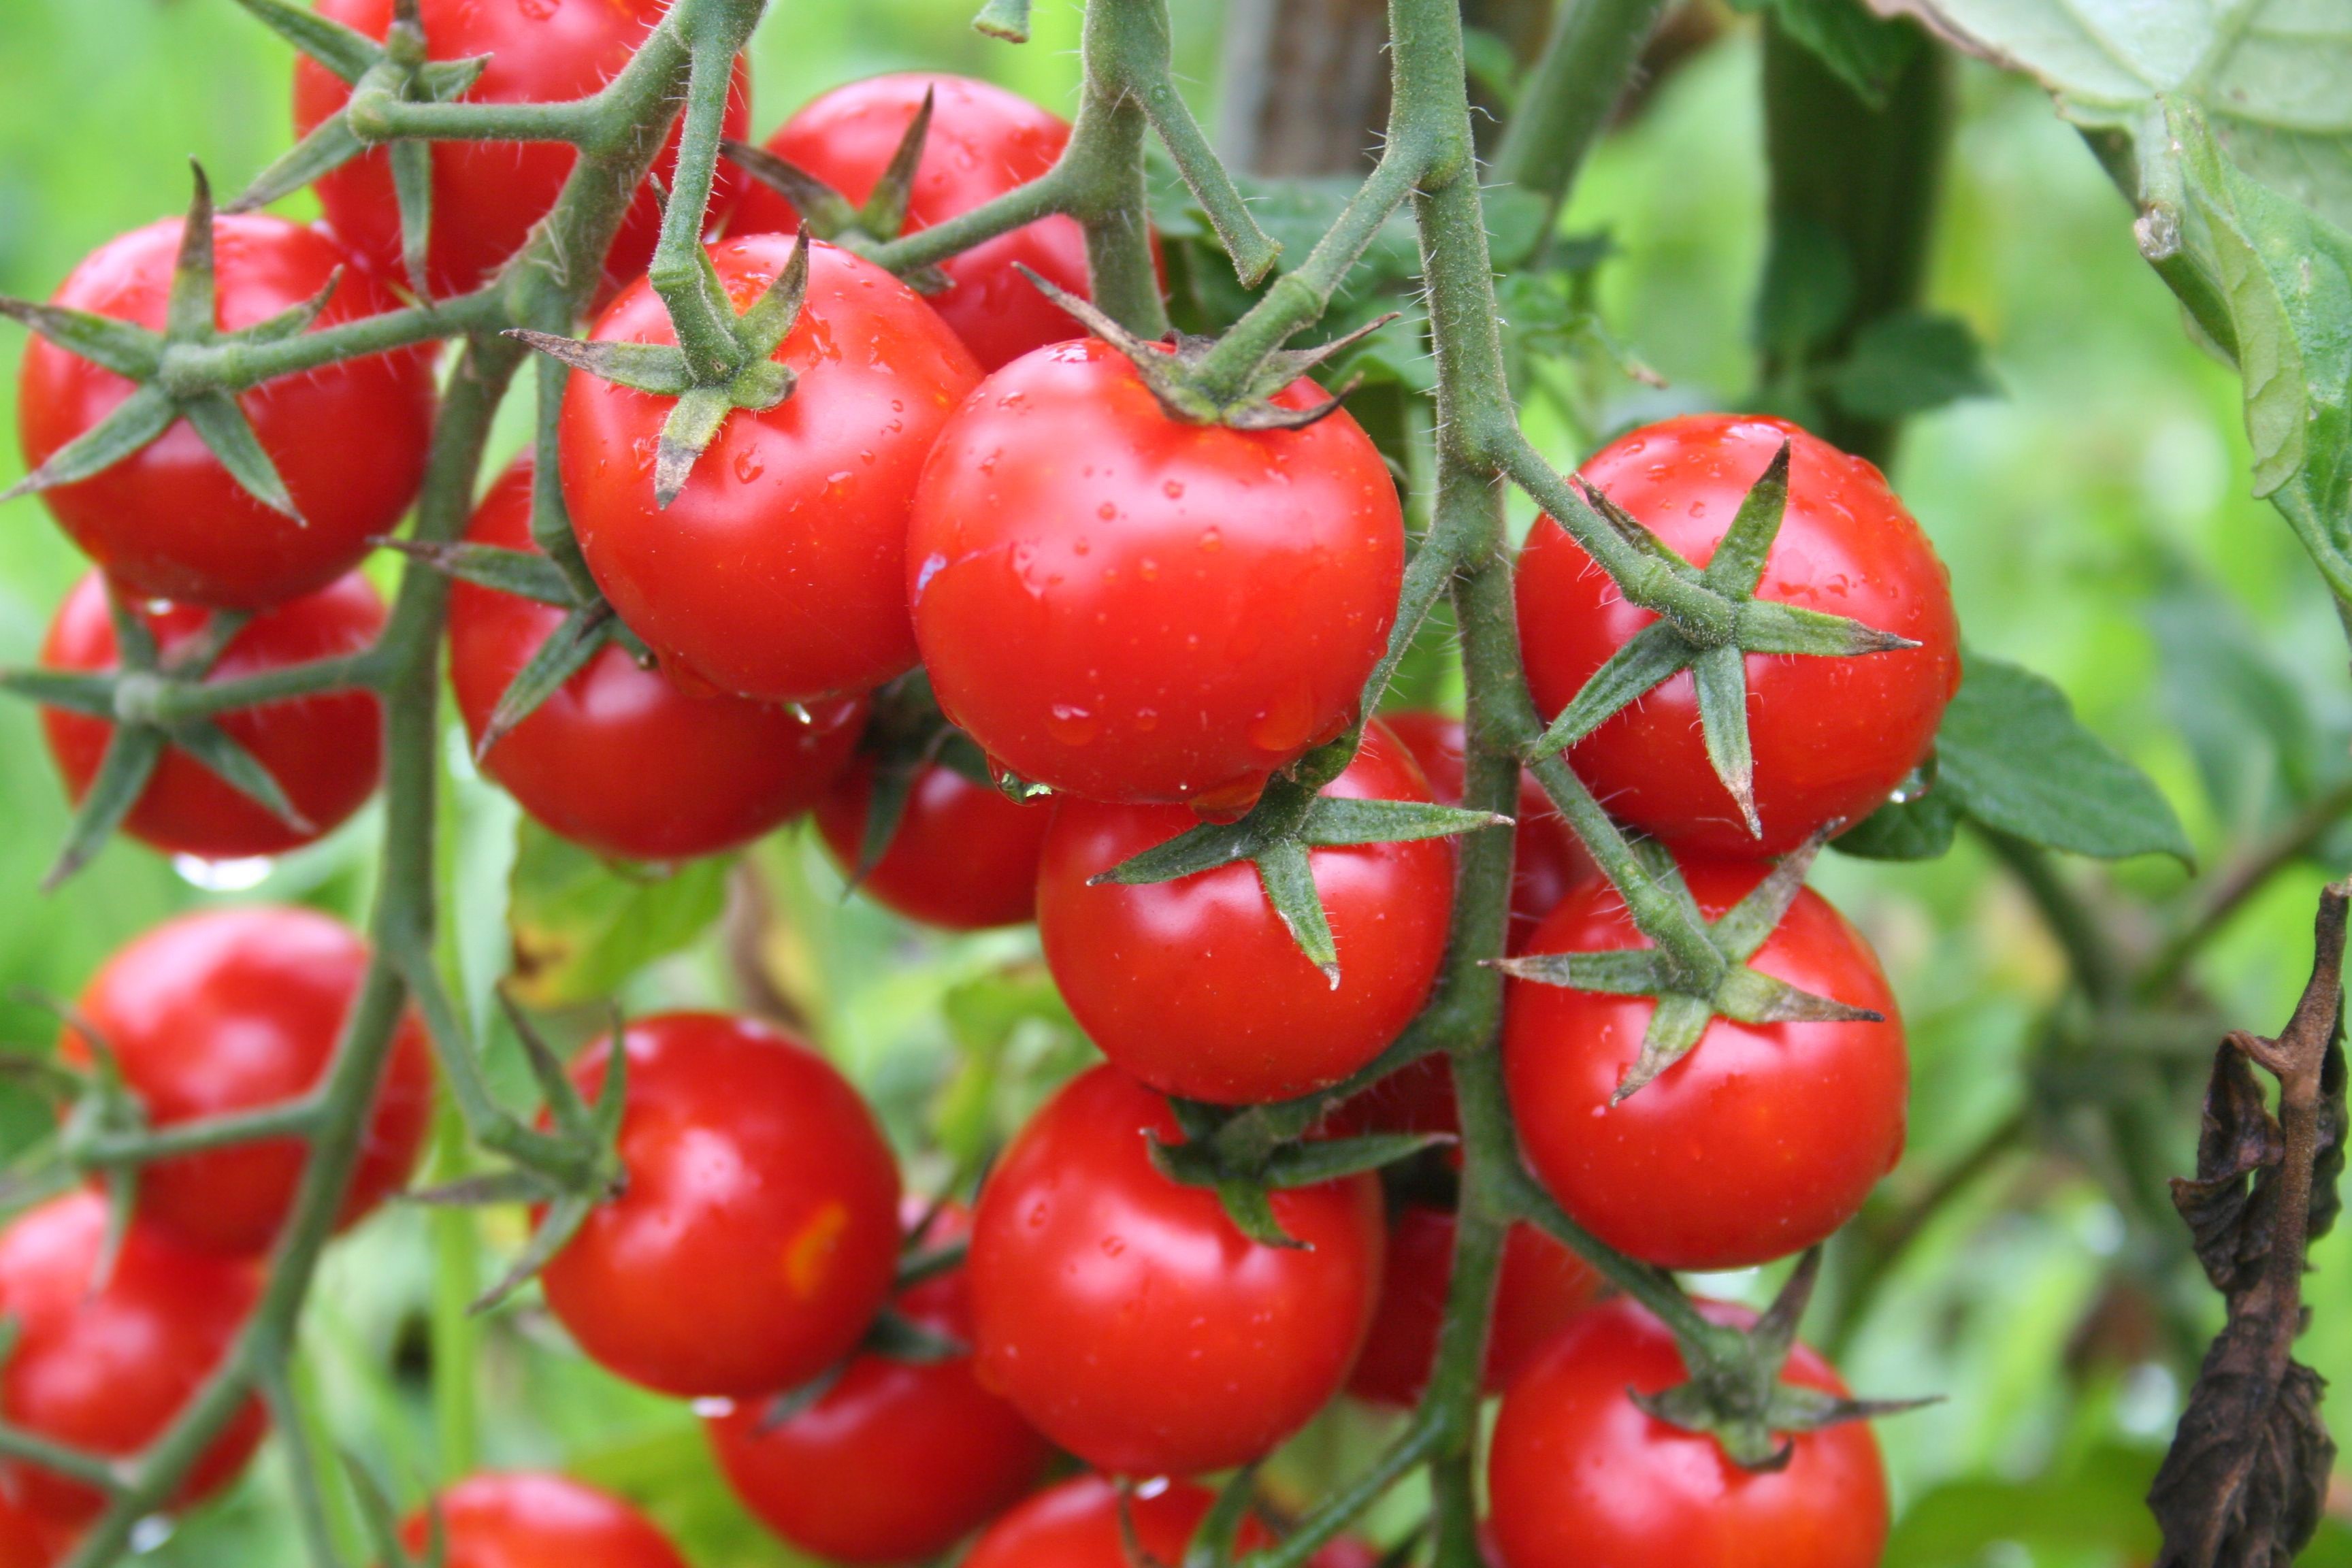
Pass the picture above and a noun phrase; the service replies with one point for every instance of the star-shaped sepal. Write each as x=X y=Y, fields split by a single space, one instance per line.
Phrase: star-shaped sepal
x=1245 y=1183
x=831 y=215
x=906 y=733
x=1687 y=1003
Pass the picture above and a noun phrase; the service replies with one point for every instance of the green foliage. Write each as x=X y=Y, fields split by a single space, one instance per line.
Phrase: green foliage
x=582 y=924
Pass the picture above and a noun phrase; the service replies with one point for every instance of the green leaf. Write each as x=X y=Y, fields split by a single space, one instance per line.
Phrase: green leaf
x=1005 y=19
x=2012 y=755
x=581 y=925
x=1868 y=52
x=2095 y=1505
x=1909 y=362
x=1918 y=829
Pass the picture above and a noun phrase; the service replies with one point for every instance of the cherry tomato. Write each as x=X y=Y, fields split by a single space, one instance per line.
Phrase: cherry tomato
x=1548 y=860
x=983 y=142
x=1416 y=1097
x=168 y=522
x=1581 y=1477
x=760 y=1190
x=488 y=195
x=1832 y=736
x=1125 y=1316
x=1196 y=986
x=1075 y=1525
x=1761 y=1141
x=731 y=769
x=963 y=856
x=228 y=1010
x=325 y=752
x=26 y=1540
x=899 y=1460
x=1129 y=607
x=105 y=1365
x=1542 y=1287
x=521 y=1520
x=779 y=572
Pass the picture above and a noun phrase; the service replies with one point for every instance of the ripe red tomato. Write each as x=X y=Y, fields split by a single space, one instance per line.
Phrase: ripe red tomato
x=1759 y=1142
x=897 y=1461
x=1543 y=1286
x=24 y=1541
x=488 y=195
x=1129 y=607
x=1832 y=736
x=983 y=142
x=1196 y=986
x=168 y=522
x=227 y=1010
x=521 y=1520
x=1416 y=1097
x=1548 y=860
x=780 y=572
x=760 y=1190
x=106 y=1366
x=326 y=752
x=731 y=769
x=1125 y=1316
x=1581 y=1476
x=1075 y=1525
x=964 y=857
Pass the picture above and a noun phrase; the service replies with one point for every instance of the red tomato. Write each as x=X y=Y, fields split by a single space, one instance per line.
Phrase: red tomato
x=488 y=195
x=1543 y=1286
x=780 y=572
x=1581 y=1477
x=1129 y=607
x=760 y=1190
x=1125 y=1316
x=1759 y=1142
x=1196 y=986
x=983 y=142
x=1416 y=1097
x=26 y=1540
x=731 y=769
x=519 y=1520
x=227 y=1010
x=897 y=1461
x=1075 y=1525
x=1548 y=860
x=168 y=522
x=964 y=857
x=325 y=752
x=105 y=1366
x=1832 y=736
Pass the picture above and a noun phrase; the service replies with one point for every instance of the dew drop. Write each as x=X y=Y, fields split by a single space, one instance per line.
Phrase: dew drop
x=1211 y=540
x=749 y=466
x=1070 y=724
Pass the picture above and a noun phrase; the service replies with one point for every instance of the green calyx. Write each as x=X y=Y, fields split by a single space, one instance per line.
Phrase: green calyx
x=1245 y=1184
x=1736 y=1395
x=1687 y=1002
x=905 y=734
x=1715 y=652
x=726 y=365
x=825 y=212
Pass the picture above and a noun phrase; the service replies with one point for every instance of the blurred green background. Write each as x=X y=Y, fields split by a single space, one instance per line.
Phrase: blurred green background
x=2096 y=521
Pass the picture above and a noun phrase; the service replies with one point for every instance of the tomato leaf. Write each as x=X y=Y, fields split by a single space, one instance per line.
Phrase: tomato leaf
x=1909 y=362
x=1919 y=829
x=1868 y=52
x=581 y=925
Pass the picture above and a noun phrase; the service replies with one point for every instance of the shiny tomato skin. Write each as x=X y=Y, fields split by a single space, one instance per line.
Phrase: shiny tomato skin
x=964 y=856
x=526 y=1519
x=1196 y=986
x=1543 y=1286
x=1133 y=608
x=326 y=752
x=24 y=1541
x=1582 y=1478
x=1125 y=1316
x=234 y=1009
x=897 y=1461
x=760 y=1189
x=168 y=522
x=730 y=768
x=780 y=572
x=1832 y=737
x=983 y=142
x=106 y=1369
x=488 y=195
x=1548 y=860
x=1760 y=1141
x=1075 y=1525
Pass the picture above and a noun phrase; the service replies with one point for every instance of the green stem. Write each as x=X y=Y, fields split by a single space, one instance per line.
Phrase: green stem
x=378 y=114
x=177 y=701
x=2089 y=953
x=2231 y=890
x=1042 y=197
x=1120 y=44
x=299 y=1118
x=299 y=1435
x=1567 y=98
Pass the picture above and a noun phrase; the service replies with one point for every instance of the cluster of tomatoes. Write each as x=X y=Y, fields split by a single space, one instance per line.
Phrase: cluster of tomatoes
x=1148 y=616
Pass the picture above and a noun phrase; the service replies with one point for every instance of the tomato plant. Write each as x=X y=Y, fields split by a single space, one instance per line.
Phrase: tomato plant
x=730 y=768
x=757 y=1184
x=1547 y=859
x=962 y=854
x=485 y=197
x=524 y=1520
x=1196 y=986
x=1169 y=616
x=230 y=1010
x=325 y=751
x=169 y=522
x=1088 y=1264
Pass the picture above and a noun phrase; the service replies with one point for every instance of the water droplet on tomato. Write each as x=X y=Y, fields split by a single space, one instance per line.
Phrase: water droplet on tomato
x=747 y=465
x=1070 y=724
